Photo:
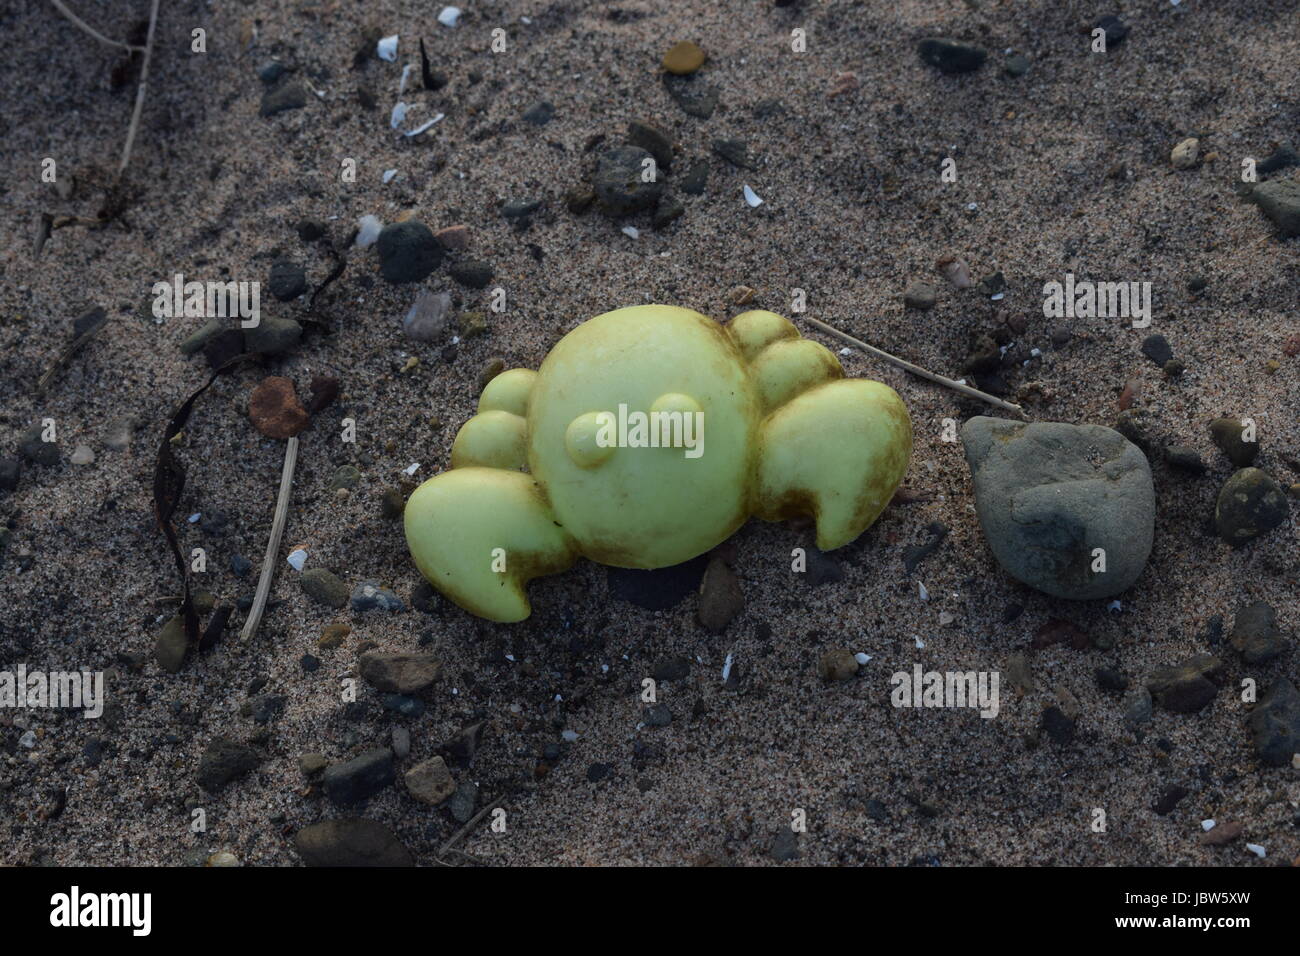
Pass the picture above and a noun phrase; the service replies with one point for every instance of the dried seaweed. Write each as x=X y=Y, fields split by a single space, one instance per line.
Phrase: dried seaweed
x=169 y=482
x=71 y=350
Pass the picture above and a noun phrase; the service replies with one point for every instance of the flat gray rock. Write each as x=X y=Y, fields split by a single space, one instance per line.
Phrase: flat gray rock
x=1048 y=494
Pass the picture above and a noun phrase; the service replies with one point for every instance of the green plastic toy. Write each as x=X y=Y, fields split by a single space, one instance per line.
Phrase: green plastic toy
x=649 y=436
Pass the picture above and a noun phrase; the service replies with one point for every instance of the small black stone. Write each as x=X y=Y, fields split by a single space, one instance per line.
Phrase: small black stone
x=733 y=151
x=539 y=114
x=474 y=274
x=287 y=96
x=1169 y=799
x=408 y=251
x=309 y=230
x=951 y=57
x=1116 y=30
x=696 y=177
x=1185 y=459
x=1156 y=348
x=1110 y=679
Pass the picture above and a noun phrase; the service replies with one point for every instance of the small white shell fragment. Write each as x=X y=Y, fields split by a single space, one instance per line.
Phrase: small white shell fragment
x=920 y=644
x=861 y=658
x=1256 y=849
x=368 y=229
x=752 y=197
x=569 y=735
x=297 y=559
x=386 y=49
x=998 y=296
x=921 y=592
x=726 y=669
x=1207 y=825
x=945 y=619
x=424 y=126
x=398 y=117
x=194 y=518
x=1115 y=606
x=411 y=468
x=632 y=231
x=82 y=456
x=389 y=174
x=449 y=17
x=845 y=351
x=406 y=72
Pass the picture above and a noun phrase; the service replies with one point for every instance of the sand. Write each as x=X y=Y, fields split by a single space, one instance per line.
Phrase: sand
x=1065 y=169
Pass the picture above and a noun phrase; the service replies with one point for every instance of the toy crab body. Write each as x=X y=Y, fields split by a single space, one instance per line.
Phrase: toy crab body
x=648 y=436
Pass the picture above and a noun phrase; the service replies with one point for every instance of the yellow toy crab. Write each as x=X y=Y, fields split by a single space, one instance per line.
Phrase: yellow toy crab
x=648 y=436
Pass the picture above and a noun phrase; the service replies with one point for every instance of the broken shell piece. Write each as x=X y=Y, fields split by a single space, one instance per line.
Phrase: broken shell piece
x=955 y=271
x=399 y=116
x=386 y=49
x=368 y=229
x=449 y=17
x=424 y=126
x=752 y=197
x=297 y=559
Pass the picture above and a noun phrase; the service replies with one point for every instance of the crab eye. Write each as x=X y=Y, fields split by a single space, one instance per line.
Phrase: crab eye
x=590 y=438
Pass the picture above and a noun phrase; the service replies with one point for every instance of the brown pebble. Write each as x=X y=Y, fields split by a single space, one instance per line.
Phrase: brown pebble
x=720 y=596
x=1221 y=834
x=275 y=409
x=842 y=83
x=742 y=295
x=837 y=664
x=683 y=58
x=1128 y=394
x=333 y=636
x=453 y=237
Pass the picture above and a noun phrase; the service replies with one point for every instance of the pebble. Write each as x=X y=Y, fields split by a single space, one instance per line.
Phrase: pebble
x=1255 y=635
x=430 y=781
x=171 y=644
x=720 y=596
x=578 y=199
x=288 y=279
x=1048 y=493
x=275 y=410
x=456 y=238
x=734 y=151
x=286 y=96
x=920 y=295
x=1221 y=834
x=520 y=209
x=955 y=271
x=539 y=114
x=359 y=778
x=1058 y=726
x=225 y=760
x=653 y=140
x=37 y=452
x=324 y=587
x=1250 y=504
x=672 y=669
x=464 y=801
x=82 y=455
x=1279 y=199
x=368 y=596
x=263 y=708
x=1110 y=679
x=473 y=274
x=1226 y=434
x=118 y=434
x=195 y=341
x=950 y=57
x=785 y=847
x=668 y=211
x=401 y=743
x=695 y=178
x=408 y=251
x=351 y=842
x=271 y=336
x=1137 y=706
x=309 y=230
x=1019 y=674
x=1185 y=459
x=1169 y=798
x=240 y=565
x=683 y=58
x=1016 y=65
x=346 y=476
x=11 y=469
x=837 y=664
x=1187 y=687
x=398 y=672
x=427 y=319
x=1116 y=30
x=657 y=715
x=412 y=708
x=1157 y=349
x=472 y=324
x=618 y=184
x=692 y=95
x=333 y=636
x=1184 y=155
x=1275 y=724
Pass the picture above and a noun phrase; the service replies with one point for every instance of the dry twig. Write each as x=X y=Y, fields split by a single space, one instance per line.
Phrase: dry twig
x=82 y=24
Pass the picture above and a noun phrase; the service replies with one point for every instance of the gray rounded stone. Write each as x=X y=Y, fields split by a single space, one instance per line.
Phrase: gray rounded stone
x=1250 y=503
x=324 y=587
x=618 y=181
x=1048 y=494
x=351 y=842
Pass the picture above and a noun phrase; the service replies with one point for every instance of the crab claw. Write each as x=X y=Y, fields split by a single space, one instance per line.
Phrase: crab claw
x=836 y=452
x=480 y=534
